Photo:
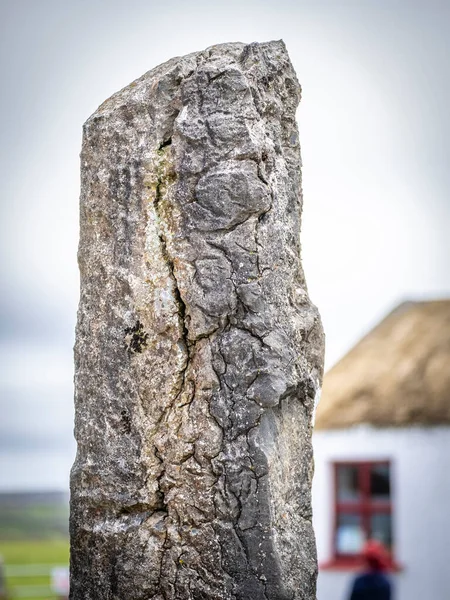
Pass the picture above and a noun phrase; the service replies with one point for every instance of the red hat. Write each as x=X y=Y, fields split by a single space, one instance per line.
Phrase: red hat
x=375 y=555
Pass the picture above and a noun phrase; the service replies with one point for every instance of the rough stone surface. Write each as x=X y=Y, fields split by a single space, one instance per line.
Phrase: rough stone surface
x=198 y=352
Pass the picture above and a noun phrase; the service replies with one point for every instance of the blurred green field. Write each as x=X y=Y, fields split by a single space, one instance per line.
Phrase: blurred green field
x=43 y=554
x=39 y=518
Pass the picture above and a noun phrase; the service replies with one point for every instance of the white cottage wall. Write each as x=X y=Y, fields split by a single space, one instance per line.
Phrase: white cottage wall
x=420 y=459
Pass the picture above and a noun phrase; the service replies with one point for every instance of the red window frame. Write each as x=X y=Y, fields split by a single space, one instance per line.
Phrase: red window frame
x=365 y=507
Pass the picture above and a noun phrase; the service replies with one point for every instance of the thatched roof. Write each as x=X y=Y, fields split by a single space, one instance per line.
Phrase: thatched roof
x=398 y=375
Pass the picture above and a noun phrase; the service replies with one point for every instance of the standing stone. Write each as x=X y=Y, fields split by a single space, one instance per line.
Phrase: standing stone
x=198 y=353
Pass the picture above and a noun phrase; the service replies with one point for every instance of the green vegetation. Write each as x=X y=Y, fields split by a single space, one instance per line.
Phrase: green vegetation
x=40 y=556
x=54 y=552
x=33 y=540
x=36 y=521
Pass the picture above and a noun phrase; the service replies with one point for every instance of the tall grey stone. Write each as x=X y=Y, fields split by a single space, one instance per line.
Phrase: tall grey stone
x=198 y=352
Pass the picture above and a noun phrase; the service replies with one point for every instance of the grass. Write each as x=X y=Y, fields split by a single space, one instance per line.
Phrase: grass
x=44 y=552
x=36 y=521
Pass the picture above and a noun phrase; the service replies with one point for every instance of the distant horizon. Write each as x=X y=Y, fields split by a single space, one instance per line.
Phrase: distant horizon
x=35 y=492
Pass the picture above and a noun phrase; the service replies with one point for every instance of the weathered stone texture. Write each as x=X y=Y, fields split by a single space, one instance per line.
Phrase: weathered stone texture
x=198 y=353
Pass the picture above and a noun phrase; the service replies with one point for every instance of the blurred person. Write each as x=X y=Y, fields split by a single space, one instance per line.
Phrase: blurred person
x=373 y=583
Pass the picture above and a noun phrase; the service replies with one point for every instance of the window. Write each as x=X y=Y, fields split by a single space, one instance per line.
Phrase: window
x=363 y=508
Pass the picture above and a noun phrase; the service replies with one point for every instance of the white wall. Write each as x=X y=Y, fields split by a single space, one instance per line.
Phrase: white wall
x=420 y=479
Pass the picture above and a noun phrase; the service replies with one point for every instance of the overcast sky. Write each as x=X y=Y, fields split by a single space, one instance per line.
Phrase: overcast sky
x=375 y=133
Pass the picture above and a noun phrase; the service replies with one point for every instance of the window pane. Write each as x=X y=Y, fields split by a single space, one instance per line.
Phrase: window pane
x=381 y=528
x=380 y=486
x=349 y=534
x=348 y=483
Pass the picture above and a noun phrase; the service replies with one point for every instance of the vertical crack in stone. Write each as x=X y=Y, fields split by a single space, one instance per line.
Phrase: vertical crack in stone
x=164 y=151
